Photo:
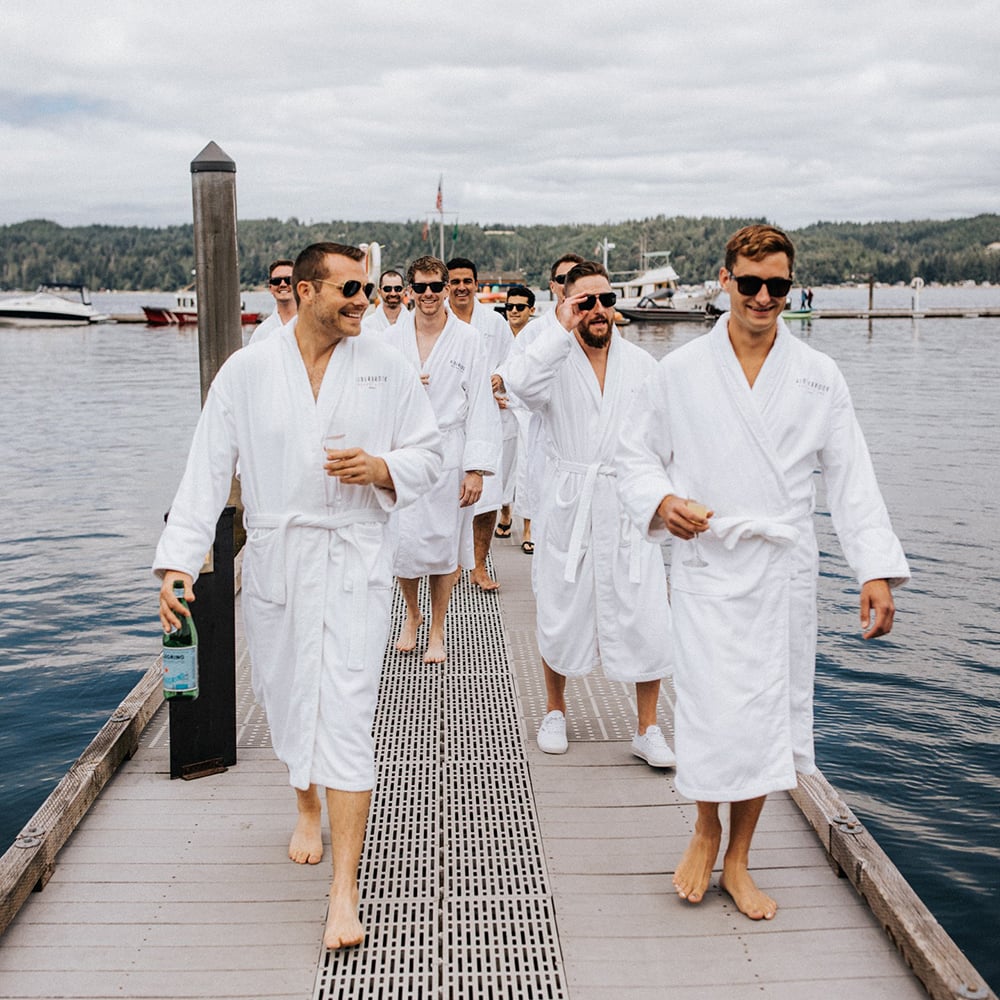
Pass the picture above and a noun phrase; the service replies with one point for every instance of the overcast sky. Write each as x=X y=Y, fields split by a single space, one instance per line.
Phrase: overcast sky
x=540 y=112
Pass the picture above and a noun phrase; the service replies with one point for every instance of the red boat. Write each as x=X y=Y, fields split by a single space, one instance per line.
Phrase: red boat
x=185 y=311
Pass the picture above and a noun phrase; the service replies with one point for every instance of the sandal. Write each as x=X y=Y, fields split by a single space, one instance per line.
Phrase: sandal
x=503 y=530
x=528 y=548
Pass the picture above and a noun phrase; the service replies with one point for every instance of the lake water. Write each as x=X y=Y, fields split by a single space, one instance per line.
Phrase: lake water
x=96 y=423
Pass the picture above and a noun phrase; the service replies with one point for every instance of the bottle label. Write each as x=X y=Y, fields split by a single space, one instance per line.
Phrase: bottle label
x=180 y=668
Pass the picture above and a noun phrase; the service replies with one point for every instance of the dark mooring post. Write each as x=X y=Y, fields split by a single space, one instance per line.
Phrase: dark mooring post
x=203 y=731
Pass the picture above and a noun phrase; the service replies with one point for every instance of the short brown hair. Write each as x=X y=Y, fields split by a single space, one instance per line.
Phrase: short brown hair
x=283 y=262
x=585 y=269
x=566 y=258
x=756 y=242
x=429 y=265
x=310 y=265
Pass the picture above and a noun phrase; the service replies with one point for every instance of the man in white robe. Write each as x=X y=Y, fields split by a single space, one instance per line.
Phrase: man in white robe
x=279 y=283
x=390 y=288
x=434 y=535
x=463 y=281
x=721 y=446
x=600 y=587
x=317 y=571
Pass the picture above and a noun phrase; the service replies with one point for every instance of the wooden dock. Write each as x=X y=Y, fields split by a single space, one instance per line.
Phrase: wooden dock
x=956 y=312
x=491 y=870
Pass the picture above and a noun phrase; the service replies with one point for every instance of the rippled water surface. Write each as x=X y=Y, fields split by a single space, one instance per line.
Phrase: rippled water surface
x=96 y=423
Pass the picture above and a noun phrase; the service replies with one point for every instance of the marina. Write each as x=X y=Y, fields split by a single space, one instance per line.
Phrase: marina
x=490 y=870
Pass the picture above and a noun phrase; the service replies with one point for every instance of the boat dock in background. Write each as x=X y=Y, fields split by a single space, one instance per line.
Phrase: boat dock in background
x=490 y=870
x=955 y=312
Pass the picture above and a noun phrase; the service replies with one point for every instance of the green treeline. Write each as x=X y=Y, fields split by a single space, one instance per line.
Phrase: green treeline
x=142 y=258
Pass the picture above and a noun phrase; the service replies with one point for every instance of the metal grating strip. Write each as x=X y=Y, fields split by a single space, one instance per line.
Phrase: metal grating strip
x=453 y=881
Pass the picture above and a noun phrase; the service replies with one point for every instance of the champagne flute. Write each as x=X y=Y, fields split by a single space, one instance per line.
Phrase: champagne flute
x=332 y=442
x=699 y=510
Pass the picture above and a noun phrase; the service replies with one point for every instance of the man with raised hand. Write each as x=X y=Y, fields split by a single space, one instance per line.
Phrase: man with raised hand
x=317 y=570
x=434 y=536
x=600 y=590
x=722 y=445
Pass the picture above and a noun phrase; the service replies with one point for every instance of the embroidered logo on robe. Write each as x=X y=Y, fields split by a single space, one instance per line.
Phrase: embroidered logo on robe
x=371 y=381
x=811 y=385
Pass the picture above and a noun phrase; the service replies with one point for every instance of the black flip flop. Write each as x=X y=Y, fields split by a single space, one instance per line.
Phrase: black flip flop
x=528 y=548
x=503 y=530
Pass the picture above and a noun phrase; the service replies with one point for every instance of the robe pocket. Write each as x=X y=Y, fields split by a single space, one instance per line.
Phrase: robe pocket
x=372 y=541
x=264 y=565
x=560 y=518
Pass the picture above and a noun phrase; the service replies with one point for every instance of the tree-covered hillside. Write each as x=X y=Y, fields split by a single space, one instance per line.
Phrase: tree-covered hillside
x=133 y=257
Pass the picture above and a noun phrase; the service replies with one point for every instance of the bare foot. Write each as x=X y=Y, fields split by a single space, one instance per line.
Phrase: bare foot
x=407 y=641
x=435 y=651
x=694 y=872
x=306 y=845
x=343 y=928
x=481 y=579
x=749 y=900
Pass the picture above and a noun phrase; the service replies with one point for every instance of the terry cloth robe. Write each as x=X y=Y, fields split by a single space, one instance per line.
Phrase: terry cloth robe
x=745 y=624
x=376 y=320
x=601 y=589
x=434 y=535
x=317 y=575
x=497 y=340
x=268 y=328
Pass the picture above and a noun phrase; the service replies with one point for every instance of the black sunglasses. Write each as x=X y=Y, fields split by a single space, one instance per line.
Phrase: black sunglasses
x=421 y=286
x=516 y=306
x=350 y=288
x=392 y=288
x=280 y=281
x=606 y=299
x=750 y=284
x=560 y=279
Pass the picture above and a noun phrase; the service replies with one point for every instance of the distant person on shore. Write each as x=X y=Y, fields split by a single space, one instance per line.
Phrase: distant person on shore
x=721 y=446
x=434 y=536
x=463 y=282
x=809 y=298
x=518 y=308
x=317 y=573
x=279 y=284
x=390 y=290
x=601 y=591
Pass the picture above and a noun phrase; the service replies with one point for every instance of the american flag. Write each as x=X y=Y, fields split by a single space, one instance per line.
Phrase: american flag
x=439 y=204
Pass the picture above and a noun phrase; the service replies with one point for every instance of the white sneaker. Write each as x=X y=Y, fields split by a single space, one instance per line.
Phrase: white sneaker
x=653 y=749
x=552 y=734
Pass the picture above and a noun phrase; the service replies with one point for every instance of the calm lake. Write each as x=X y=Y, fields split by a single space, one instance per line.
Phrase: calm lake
x=96 y=423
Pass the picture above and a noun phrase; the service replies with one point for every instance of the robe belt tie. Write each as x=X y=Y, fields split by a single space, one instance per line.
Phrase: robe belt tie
x=356 y=578
x=584 y=515
x=730 y=530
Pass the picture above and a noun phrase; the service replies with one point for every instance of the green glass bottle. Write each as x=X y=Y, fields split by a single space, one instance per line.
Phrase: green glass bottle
x=180 y=655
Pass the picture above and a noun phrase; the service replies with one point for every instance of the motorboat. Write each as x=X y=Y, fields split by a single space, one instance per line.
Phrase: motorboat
x=185 y=311
x=53 y=304
x=657 y=295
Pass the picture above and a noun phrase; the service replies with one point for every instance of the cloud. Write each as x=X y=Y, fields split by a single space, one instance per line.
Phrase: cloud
x=533 y=113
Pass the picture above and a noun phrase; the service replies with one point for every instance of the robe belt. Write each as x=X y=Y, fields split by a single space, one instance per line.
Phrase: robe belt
x=730 y=530
x=355 y=580
x=584 y=512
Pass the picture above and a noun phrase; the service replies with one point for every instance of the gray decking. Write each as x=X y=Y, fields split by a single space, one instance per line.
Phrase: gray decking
x=491 y=870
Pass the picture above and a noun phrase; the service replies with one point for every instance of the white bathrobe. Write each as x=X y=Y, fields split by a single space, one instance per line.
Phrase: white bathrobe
x=434 y=535
x=745 y=624
x=376 y=320
x=601 y=589
x=317 y=570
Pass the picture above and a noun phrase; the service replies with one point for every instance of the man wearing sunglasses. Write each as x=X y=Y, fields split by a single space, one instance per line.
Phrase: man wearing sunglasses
x=434 y=536
x=463 y=282
x=738 y=421
x=279 y=284
x=390 y=293
x=317 y=571
x=599 y=590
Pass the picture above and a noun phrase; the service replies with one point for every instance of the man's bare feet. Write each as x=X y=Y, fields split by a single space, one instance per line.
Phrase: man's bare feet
x=407 y=641
x=481 y=579
x=435 y=650
x=306 y=845
x=343 y=928
x=749 y=900
x=694 y=873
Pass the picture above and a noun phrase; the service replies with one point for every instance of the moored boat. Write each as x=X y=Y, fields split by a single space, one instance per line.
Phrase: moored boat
x=656 y=295
x=185 y=311
x=53 y=304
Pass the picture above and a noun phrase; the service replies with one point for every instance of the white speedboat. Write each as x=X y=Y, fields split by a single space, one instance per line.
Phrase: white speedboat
x=656 y=295
x=52 y=305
